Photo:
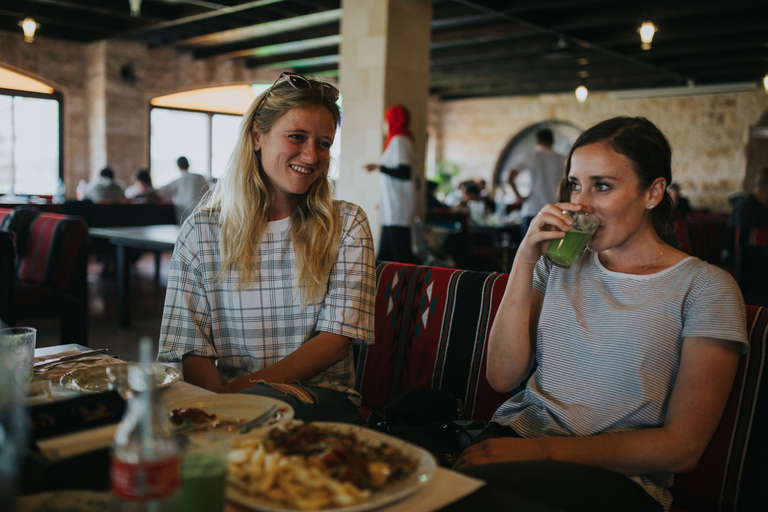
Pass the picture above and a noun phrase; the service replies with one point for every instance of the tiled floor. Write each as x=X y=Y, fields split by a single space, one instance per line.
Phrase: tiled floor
x=147 y=298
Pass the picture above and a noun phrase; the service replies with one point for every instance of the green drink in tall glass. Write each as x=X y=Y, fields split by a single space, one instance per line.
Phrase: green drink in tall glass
x=563 y=252
x=203 y=476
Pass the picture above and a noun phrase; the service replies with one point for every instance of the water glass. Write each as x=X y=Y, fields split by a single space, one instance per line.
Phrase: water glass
x=19 y=345
x=563 y=252
x=13 y=416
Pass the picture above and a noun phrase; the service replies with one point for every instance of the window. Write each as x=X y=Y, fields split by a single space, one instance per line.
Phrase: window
x=203 y=126
x=30 y=137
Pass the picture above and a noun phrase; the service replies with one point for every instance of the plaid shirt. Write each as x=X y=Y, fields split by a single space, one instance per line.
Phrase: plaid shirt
x=252 y=328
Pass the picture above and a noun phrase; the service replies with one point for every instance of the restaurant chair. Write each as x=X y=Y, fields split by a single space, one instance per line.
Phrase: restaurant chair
x=50 y=271
x=752 y=264
x=460 y=244
x=7 y=277
x=5 y=217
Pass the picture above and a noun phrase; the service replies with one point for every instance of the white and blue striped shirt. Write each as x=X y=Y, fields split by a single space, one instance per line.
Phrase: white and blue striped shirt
x=608 y=347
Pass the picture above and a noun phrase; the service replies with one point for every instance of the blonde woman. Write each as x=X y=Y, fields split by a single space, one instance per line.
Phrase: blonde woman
x=272 y=281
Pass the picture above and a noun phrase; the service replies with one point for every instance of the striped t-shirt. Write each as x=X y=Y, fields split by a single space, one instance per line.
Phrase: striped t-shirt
x=608 y=348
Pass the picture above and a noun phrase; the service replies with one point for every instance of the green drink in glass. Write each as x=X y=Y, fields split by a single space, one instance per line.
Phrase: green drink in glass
x=203 y=476
x=563 y=252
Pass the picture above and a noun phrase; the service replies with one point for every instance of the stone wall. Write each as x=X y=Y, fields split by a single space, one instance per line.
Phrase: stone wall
x=708 y=133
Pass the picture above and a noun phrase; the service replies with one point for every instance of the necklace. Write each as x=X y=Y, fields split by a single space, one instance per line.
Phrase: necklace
x=654 y=261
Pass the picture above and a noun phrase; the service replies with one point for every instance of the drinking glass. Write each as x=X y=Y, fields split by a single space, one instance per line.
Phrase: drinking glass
x=19 y=345
x=563 y=252
x=13 y=417
x=203 y=474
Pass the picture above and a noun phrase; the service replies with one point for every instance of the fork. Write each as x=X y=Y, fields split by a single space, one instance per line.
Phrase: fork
x=54 y=365
x=243 y=428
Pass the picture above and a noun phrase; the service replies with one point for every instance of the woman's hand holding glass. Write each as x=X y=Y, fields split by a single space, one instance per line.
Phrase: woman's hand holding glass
x=549 y=224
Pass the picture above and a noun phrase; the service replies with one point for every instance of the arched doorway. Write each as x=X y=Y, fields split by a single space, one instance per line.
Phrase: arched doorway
x=522 y=143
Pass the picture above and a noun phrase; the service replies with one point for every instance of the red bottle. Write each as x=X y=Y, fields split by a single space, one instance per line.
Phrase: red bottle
x=146 y=460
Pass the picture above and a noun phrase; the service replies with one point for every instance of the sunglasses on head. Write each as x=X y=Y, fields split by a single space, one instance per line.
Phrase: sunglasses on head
x=298 y=81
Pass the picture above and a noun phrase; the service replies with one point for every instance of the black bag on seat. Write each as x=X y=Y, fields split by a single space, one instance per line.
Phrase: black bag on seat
x=429 y=418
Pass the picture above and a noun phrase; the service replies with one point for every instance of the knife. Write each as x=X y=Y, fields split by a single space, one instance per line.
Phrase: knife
x=69 y=357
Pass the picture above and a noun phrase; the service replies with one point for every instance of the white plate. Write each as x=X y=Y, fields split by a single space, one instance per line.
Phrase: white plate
x=236 y=407
x=94 y=378
x=421 y=476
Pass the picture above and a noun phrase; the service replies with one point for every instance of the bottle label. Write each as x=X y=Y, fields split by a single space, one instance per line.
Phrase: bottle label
x=146 y=480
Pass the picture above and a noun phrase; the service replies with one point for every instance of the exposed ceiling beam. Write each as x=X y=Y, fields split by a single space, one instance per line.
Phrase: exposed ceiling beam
x=205 y=16
x=248 y=47
x=264 y=29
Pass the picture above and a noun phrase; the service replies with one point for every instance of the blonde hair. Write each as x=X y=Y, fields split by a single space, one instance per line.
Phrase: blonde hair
x=242 y=199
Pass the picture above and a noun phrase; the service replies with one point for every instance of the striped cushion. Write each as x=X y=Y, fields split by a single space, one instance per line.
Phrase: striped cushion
x=5 y=216
x=431 y=330
x=51 y=249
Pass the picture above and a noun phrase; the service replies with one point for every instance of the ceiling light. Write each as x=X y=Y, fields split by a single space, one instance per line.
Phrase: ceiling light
x=581 y=93
x=29 y=26
x=765 y=83
x=135 y=7
x=647 y=30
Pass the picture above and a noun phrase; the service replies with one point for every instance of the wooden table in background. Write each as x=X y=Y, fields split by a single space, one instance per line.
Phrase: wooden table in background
x=149 y=238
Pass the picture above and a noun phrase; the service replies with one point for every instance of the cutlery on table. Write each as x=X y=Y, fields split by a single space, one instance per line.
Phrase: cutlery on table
x=70 y=357
x=259 y=420
x=51 y=366
x=243 y=428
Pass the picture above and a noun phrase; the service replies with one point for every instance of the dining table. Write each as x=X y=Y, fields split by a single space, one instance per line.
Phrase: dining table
x=158 y=239
x=447 y=490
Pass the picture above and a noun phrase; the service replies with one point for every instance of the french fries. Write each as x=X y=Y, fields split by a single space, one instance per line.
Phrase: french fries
x=292 y=480
x=314 y=476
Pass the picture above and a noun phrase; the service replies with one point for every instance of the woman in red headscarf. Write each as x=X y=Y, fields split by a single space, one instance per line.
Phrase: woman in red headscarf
x=396 y=191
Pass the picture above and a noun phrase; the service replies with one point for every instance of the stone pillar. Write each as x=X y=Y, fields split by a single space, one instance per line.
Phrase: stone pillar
x=384 y=60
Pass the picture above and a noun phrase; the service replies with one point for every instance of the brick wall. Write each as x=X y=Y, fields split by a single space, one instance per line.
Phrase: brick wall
x=106 y=119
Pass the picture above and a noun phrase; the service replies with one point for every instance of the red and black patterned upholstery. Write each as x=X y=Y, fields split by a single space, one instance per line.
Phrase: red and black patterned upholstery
x=5 y=217
x=432 y=327
x=50 y=270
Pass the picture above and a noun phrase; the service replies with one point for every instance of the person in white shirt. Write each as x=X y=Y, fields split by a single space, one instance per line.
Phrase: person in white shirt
x=396 y=191
x=186 y=191
x=546 y=171
x=104 y=188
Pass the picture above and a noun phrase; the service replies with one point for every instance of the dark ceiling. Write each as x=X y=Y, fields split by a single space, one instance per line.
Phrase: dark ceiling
x=479 y=48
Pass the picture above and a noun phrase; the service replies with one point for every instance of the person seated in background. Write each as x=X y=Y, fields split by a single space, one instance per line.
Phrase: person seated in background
x=432 y=201
x=637 y=343
x=272 y=280
x=681 y=204
x=750 y=211
x=104 y=188
x=186 y=191
x=142 y=189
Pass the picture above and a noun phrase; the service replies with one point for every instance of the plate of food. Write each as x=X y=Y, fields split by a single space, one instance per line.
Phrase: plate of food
x=325 y=466
x=223 y=416
x=94 y=379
